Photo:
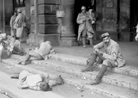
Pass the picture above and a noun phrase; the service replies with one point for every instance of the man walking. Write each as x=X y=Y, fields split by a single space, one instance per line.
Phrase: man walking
x=111 y=57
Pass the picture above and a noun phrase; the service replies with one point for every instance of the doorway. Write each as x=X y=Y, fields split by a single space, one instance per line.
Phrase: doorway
x=77 y=9
x=133 y=14
x=133 y=18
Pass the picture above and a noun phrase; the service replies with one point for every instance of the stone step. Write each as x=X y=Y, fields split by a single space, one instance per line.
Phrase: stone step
x=126 y=70
x=109 y=77
x=102 y=88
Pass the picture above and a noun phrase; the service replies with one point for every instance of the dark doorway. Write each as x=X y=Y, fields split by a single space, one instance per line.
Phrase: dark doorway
x=77 y=8
x=133 y=18
x=133 y=14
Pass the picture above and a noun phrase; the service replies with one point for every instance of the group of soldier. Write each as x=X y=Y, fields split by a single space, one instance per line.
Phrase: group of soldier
x=107 y=53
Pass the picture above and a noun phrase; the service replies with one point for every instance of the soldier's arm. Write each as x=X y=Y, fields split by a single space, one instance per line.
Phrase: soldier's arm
x=79 y=19
x=99 y=46
x=113 y=55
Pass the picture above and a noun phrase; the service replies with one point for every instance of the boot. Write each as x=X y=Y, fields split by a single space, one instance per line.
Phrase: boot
x=91 y=42
x=91 y=63
x=99 y=76
x=84 y=42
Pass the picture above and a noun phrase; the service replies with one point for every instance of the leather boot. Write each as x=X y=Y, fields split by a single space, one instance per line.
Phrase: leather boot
x=99 y=76
x=84 y=42
x=91 y=42
x=91 y=63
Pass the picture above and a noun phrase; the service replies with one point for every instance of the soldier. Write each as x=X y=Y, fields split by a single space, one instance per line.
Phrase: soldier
x=85 y=27
x=19 y=24
x=111 y=57
x=12 y=22
x=39 y=53
x=38 y=82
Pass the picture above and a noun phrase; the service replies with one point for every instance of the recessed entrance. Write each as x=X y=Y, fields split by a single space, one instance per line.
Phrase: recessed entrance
x=77 y=9
x=133 y=14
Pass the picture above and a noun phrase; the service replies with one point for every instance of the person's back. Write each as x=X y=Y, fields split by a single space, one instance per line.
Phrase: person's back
x=32 y=80
x=44 y=49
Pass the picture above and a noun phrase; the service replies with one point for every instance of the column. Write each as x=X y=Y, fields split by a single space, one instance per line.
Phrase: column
x=68 y=37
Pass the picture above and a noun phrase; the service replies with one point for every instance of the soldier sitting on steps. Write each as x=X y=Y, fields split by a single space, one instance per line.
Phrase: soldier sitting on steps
x=39 y=53
x=37 y=82
x=111 y=57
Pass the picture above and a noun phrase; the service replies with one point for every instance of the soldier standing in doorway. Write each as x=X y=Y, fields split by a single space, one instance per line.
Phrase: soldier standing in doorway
x=85 y=27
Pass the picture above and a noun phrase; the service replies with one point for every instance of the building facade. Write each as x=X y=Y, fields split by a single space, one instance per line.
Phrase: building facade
x=55 y=20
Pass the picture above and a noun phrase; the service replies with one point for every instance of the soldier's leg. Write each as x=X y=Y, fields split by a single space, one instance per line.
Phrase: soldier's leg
x=106 y=63
x=90 y=37
x=1 y=49
x=84 y=34
x=91 y=62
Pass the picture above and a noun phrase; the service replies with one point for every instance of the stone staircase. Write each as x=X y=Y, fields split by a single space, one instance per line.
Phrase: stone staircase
x=116 y=83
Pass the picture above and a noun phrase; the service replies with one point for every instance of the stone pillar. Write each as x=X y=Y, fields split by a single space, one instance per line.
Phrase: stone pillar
x=68 y=37
x=1 y=14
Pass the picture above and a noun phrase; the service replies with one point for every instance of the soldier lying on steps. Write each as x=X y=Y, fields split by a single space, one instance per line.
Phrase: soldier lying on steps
x=38 y=82
x=39 y=53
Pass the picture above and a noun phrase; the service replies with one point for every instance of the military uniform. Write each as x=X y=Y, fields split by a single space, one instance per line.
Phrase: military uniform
x=111 y=57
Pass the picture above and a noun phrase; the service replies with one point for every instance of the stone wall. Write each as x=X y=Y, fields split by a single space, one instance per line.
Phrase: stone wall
x=47 y=21
x=124 y=21
x=106 y=15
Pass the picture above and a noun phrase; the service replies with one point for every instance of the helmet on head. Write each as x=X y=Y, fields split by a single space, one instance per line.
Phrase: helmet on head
x=83 y=8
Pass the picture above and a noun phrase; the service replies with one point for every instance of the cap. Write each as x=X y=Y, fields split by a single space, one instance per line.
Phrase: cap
x=105 y=35
x=83 y=8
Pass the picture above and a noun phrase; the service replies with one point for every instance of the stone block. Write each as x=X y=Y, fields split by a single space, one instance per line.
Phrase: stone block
x=32 y=28
x=124 y=36
x=53 y=38
x=47 y=9
x=48 y=1
x=47 y=19
x=32 y=19
x=47 y=29
x=32 y=2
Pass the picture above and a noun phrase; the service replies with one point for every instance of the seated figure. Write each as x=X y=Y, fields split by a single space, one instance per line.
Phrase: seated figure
x=3 y=45
x=15 y=45
x=37 y=82
x=111 y=56
x=39 y=53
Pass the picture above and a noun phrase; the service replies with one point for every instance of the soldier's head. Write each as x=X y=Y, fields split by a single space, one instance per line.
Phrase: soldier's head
x=105 y=37
x=15 y=13
x=83 y=9
x=19 y=11
x=44 y=86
